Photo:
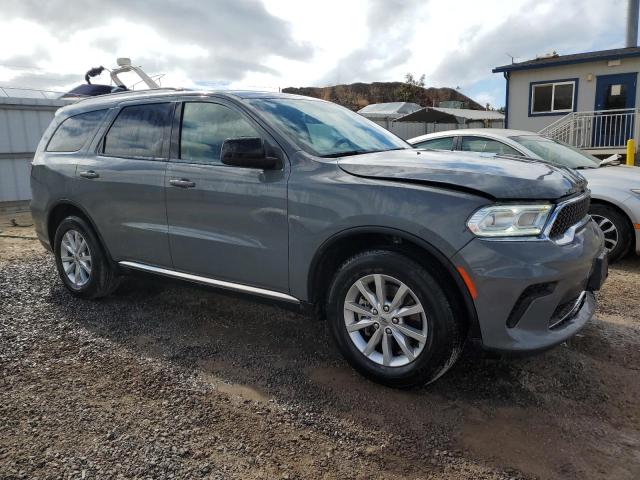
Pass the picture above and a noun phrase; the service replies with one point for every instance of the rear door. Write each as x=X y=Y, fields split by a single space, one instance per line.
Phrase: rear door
x=121 y=185
x=226 y=223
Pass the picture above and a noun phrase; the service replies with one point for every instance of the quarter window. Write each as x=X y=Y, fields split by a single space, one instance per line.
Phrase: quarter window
x=205 y=127
x=139 y=131
x=445 y=143
x=552 y=97
x=486 y=145
x=73 y=132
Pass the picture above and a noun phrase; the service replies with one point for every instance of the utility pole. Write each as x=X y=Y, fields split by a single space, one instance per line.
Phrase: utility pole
x=632 y=23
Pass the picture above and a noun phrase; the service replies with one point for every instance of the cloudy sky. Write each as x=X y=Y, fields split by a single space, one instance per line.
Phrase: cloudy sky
x=271 y=44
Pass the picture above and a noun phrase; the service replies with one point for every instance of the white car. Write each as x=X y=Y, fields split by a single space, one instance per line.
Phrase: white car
x=615 y=188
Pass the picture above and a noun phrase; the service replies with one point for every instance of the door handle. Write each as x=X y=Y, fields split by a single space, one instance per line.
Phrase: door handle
x=89 y=174
x=182 y=183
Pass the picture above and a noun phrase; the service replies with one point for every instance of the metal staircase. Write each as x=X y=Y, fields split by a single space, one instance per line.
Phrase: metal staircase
x=598 y=132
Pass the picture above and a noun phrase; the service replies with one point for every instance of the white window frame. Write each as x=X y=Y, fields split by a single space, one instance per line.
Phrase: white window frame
x=553 y=96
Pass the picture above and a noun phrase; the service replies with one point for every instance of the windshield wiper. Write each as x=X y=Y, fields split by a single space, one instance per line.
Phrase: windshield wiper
x=612 y=160
x=344 y=154
x=360 y=152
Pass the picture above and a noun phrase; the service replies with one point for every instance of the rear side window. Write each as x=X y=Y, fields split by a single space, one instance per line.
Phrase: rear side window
x=205 y=127
x=487 y=145
x=139 y=131
x=73 y=132
x=445 y=143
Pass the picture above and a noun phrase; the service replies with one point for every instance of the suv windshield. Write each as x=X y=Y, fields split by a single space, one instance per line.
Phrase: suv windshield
x=325 y=129
x=557 y=152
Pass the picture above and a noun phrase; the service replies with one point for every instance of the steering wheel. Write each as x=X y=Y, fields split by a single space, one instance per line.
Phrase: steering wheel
x=341 y=142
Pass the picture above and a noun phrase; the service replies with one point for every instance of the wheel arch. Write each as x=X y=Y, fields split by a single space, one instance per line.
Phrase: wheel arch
x=66 y=208
x=341 y=246
x=610 y=204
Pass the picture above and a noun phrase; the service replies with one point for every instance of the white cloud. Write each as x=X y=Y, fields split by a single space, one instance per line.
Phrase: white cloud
x=280 y=43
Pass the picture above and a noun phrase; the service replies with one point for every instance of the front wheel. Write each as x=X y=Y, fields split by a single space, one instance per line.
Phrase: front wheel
x=392 y=320
x=614 y=226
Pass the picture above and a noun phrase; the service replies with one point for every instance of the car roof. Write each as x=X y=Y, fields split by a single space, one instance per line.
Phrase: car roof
x=114 y=99
x=483 y=132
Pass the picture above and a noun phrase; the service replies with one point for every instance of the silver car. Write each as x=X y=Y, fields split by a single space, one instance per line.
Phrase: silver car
x=615 y=188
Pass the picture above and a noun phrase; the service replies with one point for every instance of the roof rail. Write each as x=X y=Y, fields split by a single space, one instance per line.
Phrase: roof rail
x=123 y=92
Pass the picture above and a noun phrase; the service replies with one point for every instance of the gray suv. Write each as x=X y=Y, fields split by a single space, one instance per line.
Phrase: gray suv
x=407 y=253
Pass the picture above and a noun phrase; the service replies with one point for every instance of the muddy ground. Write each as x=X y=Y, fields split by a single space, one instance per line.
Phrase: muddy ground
x=169 y=380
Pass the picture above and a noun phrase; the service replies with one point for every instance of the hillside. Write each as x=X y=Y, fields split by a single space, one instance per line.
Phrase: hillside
x=358 y=95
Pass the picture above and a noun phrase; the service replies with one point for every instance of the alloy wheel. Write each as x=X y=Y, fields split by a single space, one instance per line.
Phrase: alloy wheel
x=609 y=230
x=76 y=258
x=385 y=320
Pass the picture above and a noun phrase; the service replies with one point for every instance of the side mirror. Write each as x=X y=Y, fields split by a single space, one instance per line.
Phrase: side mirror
x=247 y=152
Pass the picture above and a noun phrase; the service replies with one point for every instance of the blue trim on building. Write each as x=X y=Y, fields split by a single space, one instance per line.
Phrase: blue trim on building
x=543 y=64
x=555 y=114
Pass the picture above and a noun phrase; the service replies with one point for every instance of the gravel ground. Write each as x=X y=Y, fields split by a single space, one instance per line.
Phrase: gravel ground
x=170 y=380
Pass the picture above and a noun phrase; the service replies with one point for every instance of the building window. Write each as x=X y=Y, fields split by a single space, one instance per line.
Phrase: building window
x=553 y=97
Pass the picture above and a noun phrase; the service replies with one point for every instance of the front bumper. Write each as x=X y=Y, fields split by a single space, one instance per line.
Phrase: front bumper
x=524 y=288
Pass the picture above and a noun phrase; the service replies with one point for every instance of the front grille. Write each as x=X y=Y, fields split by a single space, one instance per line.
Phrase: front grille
x=569 y=215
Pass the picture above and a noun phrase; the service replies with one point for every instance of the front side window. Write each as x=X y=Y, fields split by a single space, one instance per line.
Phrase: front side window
x=139 y=131
x=552 y=97
x=205 y=127
x=486 y=145
x=325 y=129
x=445 y=143
x=73 y=132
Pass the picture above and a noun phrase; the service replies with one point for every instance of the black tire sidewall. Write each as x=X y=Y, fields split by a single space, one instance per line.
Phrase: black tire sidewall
x=620 y=222
x=101 y=269
x=443 y=335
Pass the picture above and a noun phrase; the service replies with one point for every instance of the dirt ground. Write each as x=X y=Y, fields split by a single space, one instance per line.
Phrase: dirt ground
x=170 y=380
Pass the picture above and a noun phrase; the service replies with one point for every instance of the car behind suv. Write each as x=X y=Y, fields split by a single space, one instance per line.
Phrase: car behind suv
x=406 y=252
x=615 y=188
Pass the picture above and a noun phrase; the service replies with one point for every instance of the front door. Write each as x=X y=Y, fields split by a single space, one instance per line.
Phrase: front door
x=615 y=101
x=226 y=223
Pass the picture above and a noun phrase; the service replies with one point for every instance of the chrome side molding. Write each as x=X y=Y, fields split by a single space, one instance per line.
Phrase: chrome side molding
x=210 y=281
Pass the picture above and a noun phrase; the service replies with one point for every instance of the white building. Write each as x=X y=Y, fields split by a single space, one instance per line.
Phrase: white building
x=589 y=100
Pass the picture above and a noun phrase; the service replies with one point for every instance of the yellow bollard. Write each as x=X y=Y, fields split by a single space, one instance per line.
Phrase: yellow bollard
x=631 y=152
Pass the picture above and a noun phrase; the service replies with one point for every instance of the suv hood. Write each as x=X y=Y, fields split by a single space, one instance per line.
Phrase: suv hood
x=489 y=175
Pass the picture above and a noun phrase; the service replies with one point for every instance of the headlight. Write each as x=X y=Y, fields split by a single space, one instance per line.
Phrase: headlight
x=509 y=220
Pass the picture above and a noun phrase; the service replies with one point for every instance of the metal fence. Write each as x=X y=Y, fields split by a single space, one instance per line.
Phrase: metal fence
x=407 y=130
x=22 y=123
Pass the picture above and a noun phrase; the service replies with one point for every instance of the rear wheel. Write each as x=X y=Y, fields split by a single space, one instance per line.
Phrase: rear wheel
x=392 y=321
x=614 y=226
x=82 y=263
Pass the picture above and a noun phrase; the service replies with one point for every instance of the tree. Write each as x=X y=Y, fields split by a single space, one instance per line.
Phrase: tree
x=410 y=89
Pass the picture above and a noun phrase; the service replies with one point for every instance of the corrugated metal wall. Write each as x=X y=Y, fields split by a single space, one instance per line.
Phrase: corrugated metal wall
x=409 y=130
x=22 y=123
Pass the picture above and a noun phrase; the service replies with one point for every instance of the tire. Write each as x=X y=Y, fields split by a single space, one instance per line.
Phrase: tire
x=82 y=263
x=441 y=341
x=616 y=229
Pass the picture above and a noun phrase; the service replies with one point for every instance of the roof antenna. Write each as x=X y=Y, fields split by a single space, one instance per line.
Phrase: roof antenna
x=512 y=58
